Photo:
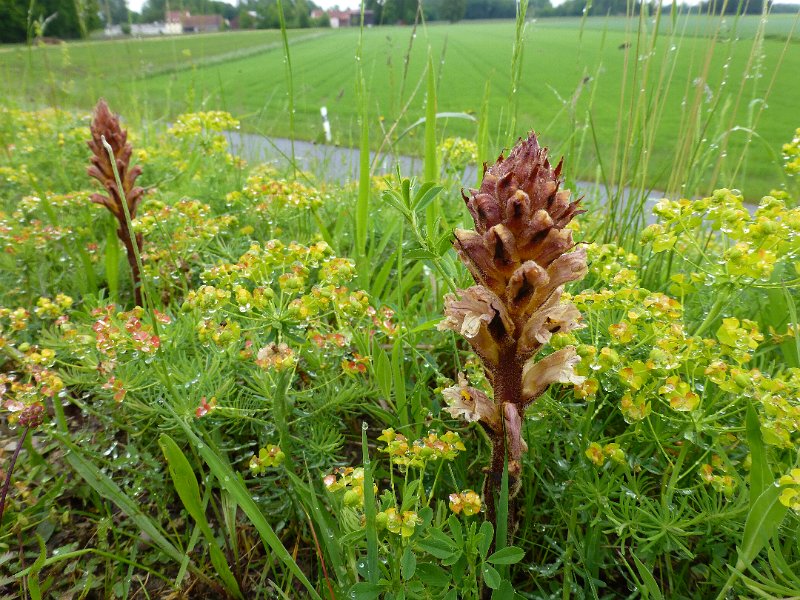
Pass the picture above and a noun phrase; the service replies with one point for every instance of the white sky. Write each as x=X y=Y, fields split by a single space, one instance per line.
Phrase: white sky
x=136 y=5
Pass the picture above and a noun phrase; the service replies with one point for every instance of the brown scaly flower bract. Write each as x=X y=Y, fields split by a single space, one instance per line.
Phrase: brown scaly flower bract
x=106 y=124
x=520 y=254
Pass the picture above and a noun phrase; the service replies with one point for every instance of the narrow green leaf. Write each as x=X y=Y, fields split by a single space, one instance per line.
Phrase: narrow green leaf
x=104 y=486
x=507 y=556
x=379 y=282
x=362 y=203
x=441 y=537
x=762 y=522
x=501 y=534
x=33 y=575
x=329 y=531
x=444 y=244
x=483 y=133
x=185 y=482
x=370 y=511
x=435 y=548
x=458 y=531
x=420 y=254
x=431 y=162
x=651 y=589
x=760 y=475
x=425 y=195
x=396 y=201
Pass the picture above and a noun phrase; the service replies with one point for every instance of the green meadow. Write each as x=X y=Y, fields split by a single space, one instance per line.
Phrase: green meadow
x=732 y=78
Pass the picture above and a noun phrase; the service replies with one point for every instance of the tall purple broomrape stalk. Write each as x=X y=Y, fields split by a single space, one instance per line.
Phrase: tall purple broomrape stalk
x=106 y=126
x=520 y=255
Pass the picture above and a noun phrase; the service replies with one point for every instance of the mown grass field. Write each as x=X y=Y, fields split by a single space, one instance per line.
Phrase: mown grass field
x=578 y=81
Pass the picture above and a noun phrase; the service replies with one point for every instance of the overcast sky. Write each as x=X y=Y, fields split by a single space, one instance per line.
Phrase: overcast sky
x=136 y=5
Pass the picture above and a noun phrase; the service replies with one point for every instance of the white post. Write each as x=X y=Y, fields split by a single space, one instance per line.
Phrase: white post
x=326 y=125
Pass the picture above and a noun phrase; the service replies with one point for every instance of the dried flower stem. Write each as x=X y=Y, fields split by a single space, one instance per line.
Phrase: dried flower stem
x=11 y=466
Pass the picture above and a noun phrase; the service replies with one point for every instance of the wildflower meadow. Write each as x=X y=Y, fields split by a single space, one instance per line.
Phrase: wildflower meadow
x=495 y=374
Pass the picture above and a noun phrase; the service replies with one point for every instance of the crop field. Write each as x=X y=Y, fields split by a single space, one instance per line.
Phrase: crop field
x=577 y=86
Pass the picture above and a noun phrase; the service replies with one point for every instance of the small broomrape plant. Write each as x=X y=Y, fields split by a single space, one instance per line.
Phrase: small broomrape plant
x=520 y=254
x=122 y=203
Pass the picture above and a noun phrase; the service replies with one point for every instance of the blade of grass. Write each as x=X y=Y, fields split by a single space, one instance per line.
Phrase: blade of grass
x=287 y=57
x=431 y=168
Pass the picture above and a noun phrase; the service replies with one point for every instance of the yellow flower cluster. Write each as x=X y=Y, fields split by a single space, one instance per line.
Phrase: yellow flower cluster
x=265 y=193
x=419 y=453
x=643 y=360
x=716 y=475
x=456 y=154
x=276 y=356
x=790 y=496
x=271 y=456
x=288 y=286
x=791 y=154
x=598 y=454
x=399 y=524
x=467 y=502
x=751 y=247
x=352 y=481
x=52 y=309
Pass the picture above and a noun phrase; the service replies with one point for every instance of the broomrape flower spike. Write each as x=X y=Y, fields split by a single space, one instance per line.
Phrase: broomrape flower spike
x=520 y=254
x=105 y=126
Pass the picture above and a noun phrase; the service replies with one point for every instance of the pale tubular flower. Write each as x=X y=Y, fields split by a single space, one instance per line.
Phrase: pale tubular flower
x=472 y=314
x=558 y=367
x=471 y=404
x=516 y=445
x=552 y=317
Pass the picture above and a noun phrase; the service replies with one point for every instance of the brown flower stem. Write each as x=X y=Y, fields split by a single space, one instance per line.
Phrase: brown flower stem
x=11 y=466
x=124 y=235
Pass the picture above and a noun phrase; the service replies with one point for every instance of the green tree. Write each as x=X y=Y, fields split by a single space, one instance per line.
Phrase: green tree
x=453 y=10
x=13 y=21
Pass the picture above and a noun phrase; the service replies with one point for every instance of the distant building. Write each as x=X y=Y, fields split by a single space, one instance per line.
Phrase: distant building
x=184 y=22
x=348 y=18
x=355 y=18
